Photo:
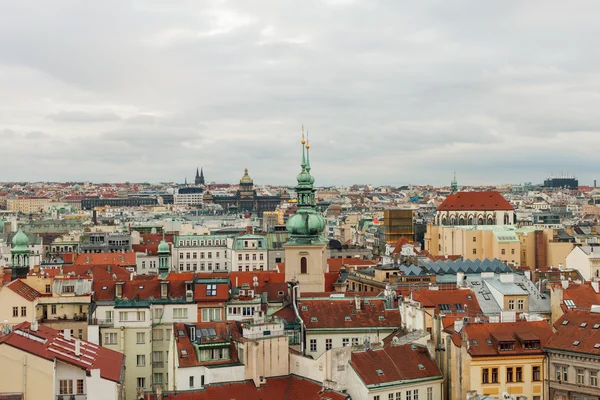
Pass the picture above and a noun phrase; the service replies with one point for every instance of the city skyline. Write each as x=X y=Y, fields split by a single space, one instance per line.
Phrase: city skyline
x=391 y=94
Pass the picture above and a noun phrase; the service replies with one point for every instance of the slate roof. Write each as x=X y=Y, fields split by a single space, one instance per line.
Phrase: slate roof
x=49 y=344
x=569 y=329
x=394 y=364
x=475 y=201
x=467 y=266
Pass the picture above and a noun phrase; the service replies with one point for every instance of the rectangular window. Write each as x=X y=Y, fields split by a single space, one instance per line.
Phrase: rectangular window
x=80 y=333
x=580 y=377
x=110 y=338
x=408 y=395
x=485 y=375
x=594 y=378
x=47 y=288
x=140 y=337
x=15 y=311
x=535 y=373
x=391 y=396
x=328 y=344
x=79 y=386
x=157 y=377
x=180 y=313
x=512 y=251
x=494 y=375
x=23 y=311
x=211 y=290
x=354 y=341
x=123 y=316
x=398 y=395
x=141 y=383
x=416 y=394
x=157 y=334
x=565 y=374
x=429 y=393
x=53 y=309
x=157 y=359
x=511 y=304
x=345 y=342
x=474 y=251
x=141 y=315
x=313 y=345
x=191 y=381
x=521 y=304
x=66 y=386
x=503 y=251
x=376 y=397
x=211 y=314
x=509 y=374
x=519 y=374
x=141 y=360
x=558 y=373
x=239 y=257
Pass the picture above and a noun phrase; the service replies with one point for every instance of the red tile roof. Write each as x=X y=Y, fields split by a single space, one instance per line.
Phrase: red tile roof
x=23 y=290
x=104 y=272
x=184 y=343
x=505 y=331
x=583 y=295
x=123 y=259
x=394 y=363
x=49 y=343
x=433 y=299
x=201 y=292
x=238 y=278
x=333 y=314
x=281 y=388
x=565 y=336
x=475 y=201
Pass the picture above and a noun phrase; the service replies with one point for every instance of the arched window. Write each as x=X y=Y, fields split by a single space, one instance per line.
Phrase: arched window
x=470 y=221
x=506 y=219
x=303 y=265
x=461 y=221
x=480 y=221
x=444 y=221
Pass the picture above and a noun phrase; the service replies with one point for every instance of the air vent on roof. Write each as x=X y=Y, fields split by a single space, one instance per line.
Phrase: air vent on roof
x=379 y=372
x=313 y=319
x=347 y=319
x=304 y=308
x=576 y=343
x=565 y=322
x=381 y=318
x=597 y=346
x=474 y=342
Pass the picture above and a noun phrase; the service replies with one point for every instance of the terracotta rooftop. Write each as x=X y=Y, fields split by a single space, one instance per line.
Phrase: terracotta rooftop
x=484 y=337
x=577 y=331
x=455 y=299
x=23 y=290
x=281 y=388
x=394 y=364
x=50 y=344
x=128 y=259
x=475 y=201
x=342 y=313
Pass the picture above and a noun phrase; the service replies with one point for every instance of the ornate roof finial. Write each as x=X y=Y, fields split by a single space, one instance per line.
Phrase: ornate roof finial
x=303 y=141
x=307 y=153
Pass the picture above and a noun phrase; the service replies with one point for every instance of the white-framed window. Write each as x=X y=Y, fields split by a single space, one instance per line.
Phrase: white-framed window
x=141 y=360
x=157 y=334
x=141 y=383
x=191 y=381
x=511 y=304
x=123 y=316
x=328 y=344
x=110 y=338
x=594 y=378
x=180 y=313
x=157 y=378
x=354 y=341
x=140 y=337
x=313 y=345
x=141 y=315
x=429 y=393
x=521 y=304
x=65 y=386
x=108 y=316
x=211 y=314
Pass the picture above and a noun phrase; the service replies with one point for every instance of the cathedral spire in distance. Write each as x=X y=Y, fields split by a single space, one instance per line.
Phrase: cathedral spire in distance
x=454 y=184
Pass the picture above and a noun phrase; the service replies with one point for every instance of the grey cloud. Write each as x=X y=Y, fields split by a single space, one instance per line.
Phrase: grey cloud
x=82 y=116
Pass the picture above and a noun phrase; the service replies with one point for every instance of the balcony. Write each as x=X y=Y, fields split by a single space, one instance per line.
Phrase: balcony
x=71 y=397
x=101 y=322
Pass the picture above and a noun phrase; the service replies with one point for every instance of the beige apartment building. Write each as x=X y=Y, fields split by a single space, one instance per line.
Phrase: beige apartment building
x=28 y=205
x=532 y=247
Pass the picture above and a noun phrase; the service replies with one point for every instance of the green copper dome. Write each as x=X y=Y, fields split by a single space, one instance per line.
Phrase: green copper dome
x=20 y=241
x=305 y=224
x=163 y=247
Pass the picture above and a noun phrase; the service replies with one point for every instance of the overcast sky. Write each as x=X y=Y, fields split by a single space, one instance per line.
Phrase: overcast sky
x=392 y=92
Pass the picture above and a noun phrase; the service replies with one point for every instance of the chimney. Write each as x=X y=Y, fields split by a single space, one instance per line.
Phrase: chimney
x=77 y=347
x=564 y=283
x=67 y=334
x=596 y=286
x=34 y=325
x=460 y=276
x=357 y=303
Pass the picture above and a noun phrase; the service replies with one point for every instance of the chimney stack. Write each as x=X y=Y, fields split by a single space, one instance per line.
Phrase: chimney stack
x=77 y=347
x=67 y=334
x=357 y=303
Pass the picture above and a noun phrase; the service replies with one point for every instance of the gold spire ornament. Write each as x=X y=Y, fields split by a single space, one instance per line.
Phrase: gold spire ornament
x=303 y=141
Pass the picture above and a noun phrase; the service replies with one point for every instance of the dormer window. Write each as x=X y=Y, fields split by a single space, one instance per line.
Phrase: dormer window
x=531 y=344
x=164 y=290
x=506 y=346
x=119 y=290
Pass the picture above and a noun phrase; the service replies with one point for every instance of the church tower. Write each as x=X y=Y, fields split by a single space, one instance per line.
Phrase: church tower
x=306 y=249
x=454 y=185
x=20 y=255
x=163 y=257
x=199 y=179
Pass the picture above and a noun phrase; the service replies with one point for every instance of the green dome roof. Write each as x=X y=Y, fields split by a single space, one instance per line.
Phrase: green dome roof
x=163 y=247
x=20 y=239
x=306 y=224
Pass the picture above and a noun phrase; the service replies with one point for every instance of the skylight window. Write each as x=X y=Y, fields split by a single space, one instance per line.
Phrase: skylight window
x=304 y=308
x=565 y=322
x=104 y=287
x=474 y=342
x=596 y=326
x=445 y=308
x=313 y=319
x=184 y=353
x=181 y=333
x=379 y=372
x=488 y=341
x=583 y=325
x=576 y=343
x=421 y=367
x=570 y=303
x=381 y=318
x=597 y=346
x=347 y=319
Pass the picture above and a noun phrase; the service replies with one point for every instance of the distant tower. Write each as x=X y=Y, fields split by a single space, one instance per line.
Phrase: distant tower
x=454 y=184
x=163 y=256
x=306 y=249
x=199 y=180
x=20 y=255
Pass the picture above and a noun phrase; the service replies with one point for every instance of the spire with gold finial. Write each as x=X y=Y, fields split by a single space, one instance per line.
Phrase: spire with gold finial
x=307 y=153
x=303 y=141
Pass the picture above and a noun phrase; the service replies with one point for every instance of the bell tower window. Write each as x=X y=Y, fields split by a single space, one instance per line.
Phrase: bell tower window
x=303 y=265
